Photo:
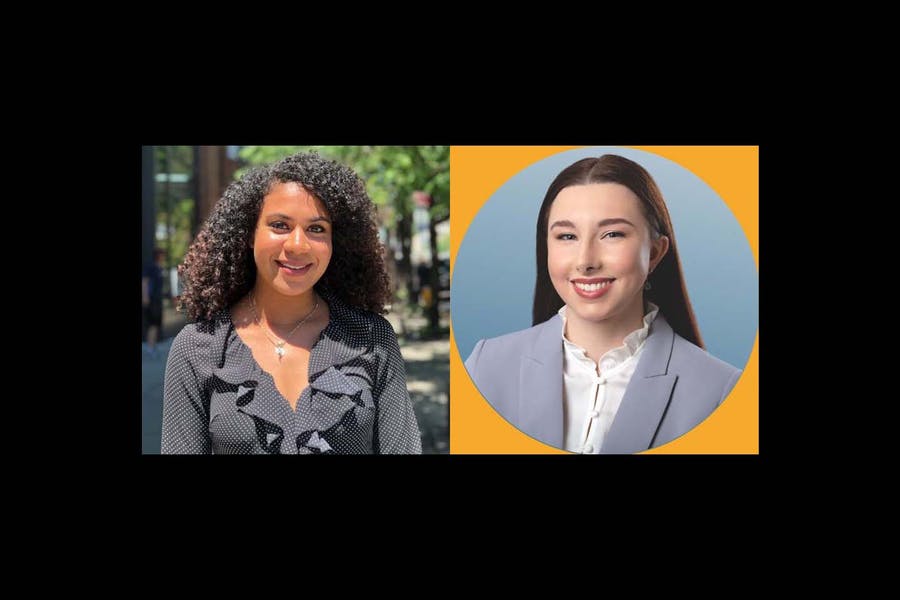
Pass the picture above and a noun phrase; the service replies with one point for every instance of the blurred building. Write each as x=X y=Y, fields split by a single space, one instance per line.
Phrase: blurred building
x=178 y=181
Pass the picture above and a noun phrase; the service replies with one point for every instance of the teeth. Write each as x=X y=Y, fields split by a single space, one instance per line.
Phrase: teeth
x=592 y=287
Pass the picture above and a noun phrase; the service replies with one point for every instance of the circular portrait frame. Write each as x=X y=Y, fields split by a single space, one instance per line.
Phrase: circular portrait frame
x=712 y=196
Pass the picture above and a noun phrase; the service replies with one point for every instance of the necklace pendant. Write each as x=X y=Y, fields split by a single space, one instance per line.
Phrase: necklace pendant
x=279 y=350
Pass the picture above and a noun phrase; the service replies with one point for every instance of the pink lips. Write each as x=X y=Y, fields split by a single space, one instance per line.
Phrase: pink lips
x=592 y=294
x=293 y=272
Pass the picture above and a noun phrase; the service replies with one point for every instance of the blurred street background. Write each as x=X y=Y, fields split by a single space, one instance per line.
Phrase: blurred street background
x=410 y=186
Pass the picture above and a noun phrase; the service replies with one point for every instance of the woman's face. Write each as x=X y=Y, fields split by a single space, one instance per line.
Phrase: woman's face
x=599 y=251
x=292 y=242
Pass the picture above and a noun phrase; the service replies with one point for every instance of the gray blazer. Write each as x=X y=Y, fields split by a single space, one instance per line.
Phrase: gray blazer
x=675 y=386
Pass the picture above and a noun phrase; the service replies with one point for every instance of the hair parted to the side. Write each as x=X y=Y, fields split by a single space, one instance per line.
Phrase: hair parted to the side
x=218 y=269
x=668 y=290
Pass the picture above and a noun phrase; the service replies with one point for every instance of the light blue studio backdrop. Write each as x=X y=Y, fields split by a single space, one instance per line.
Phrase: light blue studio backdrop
x=493 y=277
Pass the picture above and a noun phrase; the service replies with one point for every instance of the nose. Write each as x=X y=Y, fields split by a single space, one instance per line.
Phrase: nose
x=297 y=242
x=588 y=259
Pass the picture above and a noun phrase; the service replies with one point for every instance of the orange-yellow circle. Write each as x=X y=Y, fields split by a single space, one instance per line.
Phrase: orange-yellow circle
x=476 y=172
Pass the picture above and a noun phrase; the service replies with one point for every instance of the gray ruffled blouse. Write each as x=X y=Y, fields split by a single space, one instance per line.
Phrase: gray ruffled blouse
x=217 y=399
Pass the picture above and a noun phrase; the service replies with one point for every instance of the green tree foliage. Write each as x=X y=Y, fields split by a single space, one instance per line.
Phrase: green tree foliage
x=182 y=216
x=391 y=173
x=175 y=199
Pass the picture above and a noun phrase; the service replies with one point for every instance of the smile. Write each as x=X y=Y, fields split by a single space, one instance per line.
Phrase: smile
x=591 y=288
x=293 y=269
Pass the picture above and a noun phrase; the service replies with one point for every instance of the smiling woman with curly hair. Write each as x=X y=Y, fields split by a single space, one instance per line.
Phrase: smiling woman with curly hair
x=289 y=353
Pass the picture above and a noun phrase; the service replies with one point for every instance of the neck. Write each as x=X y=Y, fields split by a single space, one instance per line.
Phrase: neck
x=282 y=311
x=599 y=337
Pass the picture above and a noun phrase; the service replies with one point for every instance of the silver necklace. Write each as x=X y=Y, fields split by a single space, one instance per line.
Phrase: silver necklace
x=279 y=345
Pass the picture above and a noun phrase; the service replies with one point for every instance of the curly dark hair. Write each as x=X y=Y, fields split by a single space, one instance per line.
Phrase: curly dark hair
x=218 y=269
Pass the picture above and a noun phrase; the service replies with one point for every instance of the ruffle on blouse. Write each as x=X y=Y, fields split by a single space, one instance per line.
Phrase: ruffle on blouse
x=337 y=402
x=614 y=357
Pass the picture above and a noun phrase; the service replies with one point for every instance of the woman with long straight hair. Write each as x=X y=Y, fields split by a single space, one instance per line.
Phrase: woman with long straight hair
x=614 y=362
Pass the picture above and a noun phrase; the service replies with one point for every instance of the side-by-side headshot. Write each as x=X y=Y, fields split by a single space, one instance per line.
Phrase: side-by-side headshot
x=605 y=301
x=463 y=300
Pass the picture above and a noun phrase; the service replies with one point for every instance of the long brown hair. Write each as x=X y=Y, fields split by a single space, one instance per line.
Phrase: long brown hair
x=668 y=290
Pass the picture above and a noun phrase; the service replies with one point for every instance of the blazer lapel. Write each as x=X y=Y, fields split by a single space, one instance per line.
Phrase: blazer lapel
x=540 y=385
x=647 y=395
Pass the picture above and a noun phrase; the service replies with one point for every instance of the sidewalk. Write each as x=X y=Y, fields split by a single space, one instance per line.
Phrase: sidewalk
x=427 y=379
x=152 y=375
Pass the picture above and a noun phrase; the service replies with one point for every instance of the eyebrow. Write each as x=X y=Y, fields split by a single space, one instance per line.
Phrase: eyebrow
x=289 y=218
x=603 y=223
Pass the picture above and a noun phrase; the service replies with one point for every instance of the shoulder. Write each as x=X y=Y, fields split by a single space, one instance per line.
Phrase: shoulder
x=511 y=342
x=195 y=340
x=383 y=335
x=701 y=373
x=379 y=325
x=687 y=355
x=363 y=326
x=510 y=346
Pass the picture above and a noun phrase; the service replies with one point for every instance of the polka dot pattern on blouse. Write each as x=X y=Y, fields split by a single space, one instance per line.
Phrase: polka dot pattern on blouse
x=217 y=399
